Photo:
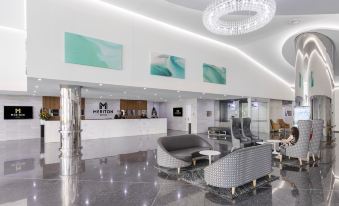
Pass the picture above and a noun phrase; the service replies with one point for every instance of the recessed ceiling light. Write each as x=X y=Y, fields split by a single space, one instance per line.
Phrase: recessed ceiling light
x=39 y=79
x=145 y=88
x=294 y=21
x=100 y=85
x=225 y=95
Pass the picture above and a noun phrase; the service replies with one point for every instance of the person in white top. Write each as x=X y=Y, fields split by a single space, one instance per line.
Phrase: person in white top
x=291 y=140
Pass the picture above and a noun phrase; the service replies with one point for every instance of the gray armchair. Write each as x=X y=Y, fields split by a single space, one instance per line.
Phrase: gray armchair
x=300 y=149
x=317 y=135
x=177 y=151
x=240 y=167
x=246 y=130
x=238 y=140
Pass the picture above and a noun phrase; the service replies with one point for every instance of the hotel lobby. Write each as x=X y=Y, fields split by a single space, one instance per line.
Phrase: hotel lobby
x=169 y=102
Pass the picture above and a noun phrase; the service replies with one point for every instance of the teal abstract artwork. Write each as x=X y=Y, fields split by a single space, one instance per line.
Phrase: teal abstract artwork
x=167 y=66
x=89 y=51
x=214 y=74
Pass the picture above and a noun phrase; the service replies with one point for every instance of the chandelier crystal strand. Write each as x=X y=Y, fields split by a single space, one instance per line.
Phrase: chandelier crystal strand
x=264 y=11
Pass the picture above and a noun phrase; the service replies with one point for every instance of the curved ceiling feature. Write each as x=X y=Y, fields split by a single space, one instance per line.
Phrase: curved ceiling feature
x=289 y=52
x=284 y=7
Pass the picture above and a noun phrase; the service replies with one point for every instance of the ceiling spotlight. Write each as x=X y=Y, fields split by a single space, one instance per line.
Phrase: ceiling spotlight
x=294 y=21
x=235 y=17
x=145 y=88
x=100 y=85
x=39 y=79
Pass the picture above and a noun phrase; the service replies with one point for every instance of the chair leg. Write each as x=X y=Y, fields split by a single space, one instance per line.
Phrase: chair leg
x=313 y=158
x=233 y=190
x=178 y=170
x=269 y=176
x=280 y=157
x=308 y=157
x=194 y=162
x=300 y=161
x=254 y=183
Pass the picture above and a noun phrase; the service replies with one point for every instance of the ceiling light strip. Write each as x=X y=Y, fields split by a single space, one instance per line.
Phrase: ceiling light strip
x=140 y=16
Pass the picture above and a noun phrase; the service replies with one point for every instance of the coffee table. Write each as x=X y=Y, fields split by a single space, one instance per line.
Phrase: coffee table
x=209 y=153
x=274 y=142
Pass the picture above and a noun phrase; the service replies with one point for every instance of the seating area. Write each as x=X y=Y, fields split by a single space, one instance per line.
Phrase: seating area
x=249 y=160
x=310 y=135
x=180 y=151
x=218 y=132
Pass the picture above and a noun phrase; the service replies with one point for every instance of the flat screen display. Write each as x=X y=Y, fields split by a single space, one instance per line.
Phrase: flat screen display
x=18 y=112
x=177 y=112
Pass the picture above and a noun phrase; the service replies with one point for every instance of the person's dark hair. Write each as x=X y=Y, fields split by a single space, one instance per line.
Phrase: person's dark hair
x=295 y=133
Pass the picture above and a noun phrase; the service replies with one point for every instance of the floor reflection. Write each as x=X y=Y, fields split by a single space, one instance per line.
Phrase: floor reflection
x=120 y=171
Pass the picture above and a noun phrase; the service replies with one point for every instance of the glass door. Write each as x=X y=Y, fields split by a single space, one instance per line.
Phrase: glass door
x=260 y=121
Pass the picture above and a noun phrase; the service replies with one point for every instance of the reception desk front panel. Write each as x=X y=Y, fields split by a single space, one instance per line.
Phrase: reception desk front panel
x=96 y=129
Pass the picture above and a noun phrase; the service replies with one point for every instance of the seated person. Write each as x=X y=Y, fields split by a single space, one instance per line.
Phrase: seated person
x=291 y=140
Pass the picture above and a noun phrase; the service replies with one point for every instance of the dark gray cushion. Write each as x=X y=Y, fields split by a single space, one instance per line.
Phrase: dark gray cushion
x=186 y=154
x=174 y=143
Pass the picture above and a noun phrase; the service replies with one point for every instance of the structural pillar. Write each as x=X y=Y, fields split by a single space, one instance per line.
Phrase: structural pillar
x=70 y=129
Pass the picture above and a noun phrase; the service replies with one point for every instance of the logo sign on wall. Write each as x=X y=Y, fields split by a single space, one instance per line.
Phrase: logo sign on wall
x=18 y=112
x=102 y=109
x=177 y=112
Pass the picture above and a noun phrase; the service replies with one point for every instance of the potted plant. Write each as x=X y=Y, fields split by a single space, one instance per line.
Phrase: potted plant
x=44 y=115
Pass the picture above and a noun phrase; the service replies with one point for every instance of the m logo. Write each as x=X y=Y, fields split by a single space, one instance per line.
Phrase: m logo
x=103 y=105
x=17 y=111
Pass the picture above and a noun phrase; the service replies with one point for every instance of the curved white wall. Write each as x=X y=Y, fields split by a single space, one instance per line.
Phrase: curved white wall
x=49 y=19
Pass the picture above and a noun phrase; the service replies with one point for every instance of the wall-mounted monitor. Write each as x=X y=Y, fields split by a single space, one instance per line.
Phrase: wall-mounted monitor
x=18 y=112
x=177 y=112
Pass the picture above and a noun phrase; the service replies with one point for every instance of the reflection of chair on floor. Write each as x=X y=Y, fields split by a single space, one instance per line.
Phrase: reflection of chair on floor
x=300 y=183
x=317 y=135
x=246 y=130
x=238 y=140
x=300 y=149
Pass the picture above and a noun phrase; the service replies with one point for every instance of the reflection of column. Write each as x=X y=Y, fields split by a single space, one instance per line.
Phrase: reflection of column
x=70 y=138
x=70 y=190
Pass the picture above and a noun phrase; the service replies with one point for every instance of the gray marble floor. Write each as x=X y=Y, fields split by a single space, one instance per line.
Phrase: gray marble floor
x=120 y=171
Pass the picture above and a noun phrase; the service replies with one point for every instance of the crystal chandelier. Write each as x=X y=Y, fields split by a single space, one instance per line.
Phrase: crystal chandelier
x=219 y=16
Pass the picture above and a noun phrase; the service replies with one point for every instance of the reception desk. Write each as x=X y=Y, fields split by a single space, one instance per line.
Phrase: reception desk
x=96 y=129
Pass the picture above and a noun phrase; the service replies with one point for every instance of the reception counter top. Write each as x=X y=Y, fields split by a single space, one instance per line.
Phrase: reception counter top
x=96 y=129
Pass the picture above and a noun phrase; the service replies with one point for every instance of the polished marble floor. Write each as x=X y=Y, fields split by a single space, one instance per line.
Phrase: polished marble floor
x=120 y=171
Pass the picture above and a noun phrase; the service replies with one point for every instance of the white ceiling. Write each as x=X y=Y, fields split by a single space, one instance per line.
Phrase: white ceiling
x=264 y=45
x=284 y=7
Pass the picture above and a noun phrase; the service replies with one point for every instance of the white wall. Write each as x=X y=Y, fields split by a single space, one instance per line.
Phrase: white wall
x=202 y=119
x=20 y=129
x=12 y=49
x=49 y=19
x=179 y=123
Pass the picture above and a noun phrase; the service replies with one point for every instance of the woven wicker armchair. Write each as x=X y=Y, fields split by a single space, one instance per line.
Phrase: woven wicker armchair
x=240 y=167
